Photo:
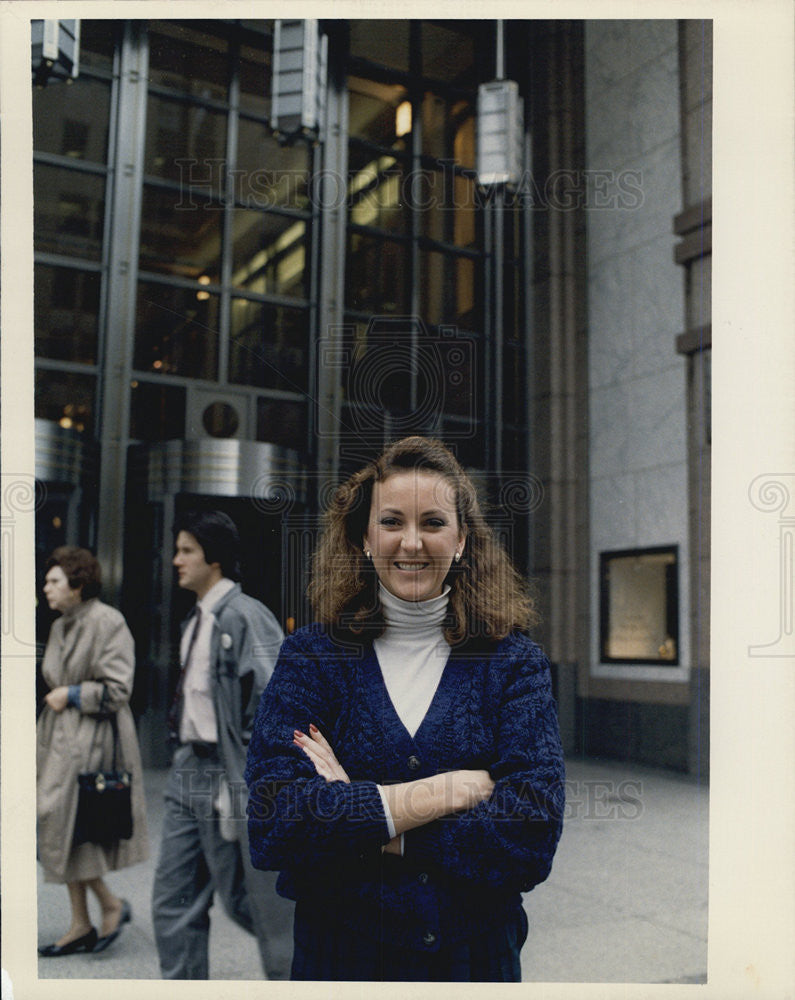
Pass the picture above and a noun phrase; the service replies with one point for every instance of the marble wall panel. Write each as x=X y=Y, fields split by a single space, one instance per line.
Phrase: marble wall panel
x=611 y=430
x=660 y=516
x=656 y=417
x=611 y=346
x=614 y=497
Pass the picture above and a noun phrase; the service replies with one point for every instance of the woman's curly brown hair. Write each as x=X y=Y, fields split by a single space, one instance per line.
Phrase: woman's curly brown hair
x=80 y=568
x=488 y=597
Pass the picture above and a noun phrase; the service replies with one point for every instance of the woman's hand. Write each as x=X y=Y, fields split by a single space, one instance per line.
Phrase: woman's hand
x=317 y=749
x=57 y=699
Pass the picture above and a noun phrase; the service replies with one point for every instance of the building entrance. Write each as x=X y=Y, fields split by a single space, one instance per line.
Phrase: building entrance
x=261 y=488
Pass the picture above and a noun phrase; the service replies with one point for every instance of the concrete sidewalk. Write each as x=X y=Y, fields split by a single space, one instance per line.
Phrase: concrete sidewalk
x=626 y=900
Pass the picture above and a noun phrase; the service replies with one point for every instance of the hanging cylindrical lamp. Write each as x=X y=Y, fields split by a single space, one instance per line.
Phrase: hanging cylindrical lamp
x=300 y=55
x=55 y=50
x=500 y=126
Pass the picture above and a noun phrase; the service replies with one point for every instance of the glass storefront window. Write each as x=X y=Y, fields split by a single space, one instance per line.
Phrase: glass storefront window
x=73 y=121
x=255 y=80
x=269 y=253
x=269 y=175
x=67 y=400
x=268 y=346
x=282 y=422
x=157 y=412
x=372 y=111
x=384 y=41
x=66 y=311
x=178 y=240
x=176 y=331
x=451 y=290
x=97 y=42
x=448 y=211
x=377 y=195
x=448 y=52
x=376 y=275
x=448 y=130
x=186 y=144
x=186 y=58
x=68 y=212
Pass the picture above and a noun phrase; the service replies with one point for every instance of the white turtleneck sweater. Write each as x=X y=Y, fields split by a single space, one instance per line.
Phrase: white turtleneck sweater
x=412 y=652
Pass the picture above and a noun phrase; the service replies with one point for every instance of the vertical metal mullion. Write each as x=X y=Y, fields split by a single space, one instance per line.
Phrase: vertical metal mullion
x=415 y=97
x=125 y=210
x=232 y=130
x=499 y=319
x=110 y=177
x=313 y=285
x=528 y=275
x=331 y=281
x=488 y=292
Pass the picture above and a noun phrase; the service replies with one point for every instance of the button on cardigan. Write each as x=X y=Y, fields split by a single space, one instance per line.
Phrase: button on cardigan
x=459 y=875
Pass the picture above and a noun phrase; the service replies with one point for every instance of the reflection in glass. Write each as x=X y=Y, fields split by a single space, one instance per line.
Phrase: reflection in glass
x=269 y=175
x=176 y=331
x=373 y=111
x=382 y=41
x=186 y=144
x=97 y=40
x=448 y=129
x=72 y=121
x=269 y=253
x=268 y=346
x=67 y=400
x=185 y=58
x=282 y=422
x=157 y=412
x=451 y=290
x=375 y=276
x=376 y=195
x=68 y=212
x=255 y=80
x=66 y=311
x=448 y=52
x=220 y=420
x=449 y=209
x=176 y=241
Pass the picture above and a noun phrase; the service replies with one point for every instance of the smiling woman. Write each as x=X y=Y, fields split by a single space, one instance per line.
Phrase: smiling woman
x=405 y=768
x=414 y=533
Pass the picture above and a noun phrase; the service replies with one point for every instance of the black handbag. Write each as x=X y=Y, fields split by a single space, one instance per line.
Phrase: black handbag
x=104 y=803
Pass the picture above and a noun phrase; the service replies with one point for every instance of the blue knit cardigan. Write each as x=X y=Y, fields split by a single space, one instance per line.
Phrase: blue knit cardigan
x=459 y=875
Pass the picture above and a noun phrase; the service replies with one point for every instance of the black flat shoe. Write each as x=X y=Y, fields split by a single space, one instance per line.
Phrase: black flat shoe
x=126 y=916
x=82 y=944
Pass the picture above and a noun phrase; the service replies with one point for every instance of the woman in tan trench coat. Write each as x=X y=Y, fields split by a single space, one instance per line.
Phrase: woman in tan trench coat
x=88 y=665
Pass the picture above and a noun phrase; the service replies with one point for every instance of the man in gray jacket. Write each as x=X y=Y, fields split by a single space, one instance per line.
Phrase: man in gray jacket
x=229 y=646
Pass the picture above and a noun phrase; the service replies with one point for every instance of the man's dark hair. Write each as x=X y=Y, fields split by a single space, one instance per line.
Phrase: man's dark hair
x=217 y=535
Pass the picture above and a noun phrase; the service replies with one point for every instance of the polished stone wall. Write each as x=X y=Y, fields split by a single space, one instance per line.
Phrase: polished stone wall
x=638 y=489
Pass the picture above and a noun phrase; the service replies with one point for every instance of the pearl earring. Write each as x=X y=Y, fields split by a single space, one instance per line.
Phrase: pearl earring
x=368 y=554
x=458 y=557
